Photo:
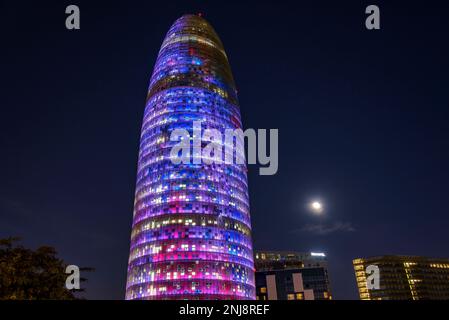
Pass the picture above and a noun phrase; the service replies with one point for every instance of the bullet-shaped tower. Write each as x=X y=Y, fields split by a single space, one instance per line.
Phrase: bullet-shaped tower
x=191 y=232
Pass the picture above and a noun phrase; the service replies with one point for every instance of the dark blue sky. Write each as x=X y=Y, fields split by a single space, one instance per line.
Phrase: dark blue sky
x=362 y=117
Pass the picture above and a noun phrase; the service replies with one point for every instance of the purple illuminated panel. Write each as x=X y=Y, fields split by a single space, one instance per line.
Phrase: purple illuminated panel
x=191 y=235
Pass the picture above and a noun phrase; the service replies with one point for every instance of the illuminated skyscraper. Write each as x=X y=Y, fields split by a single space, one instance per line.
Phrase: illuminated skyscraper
x=191 y=234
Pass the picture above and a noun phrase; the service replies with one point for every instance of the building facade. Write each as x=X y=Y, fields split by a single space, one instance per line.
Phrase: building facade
x=191 y=232
x=403 y=278
x=292 y=276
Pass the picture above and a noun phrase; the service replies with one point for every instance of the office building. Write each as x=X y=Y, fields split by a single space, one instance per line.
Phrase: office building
x=402 y=278
x=292 y=276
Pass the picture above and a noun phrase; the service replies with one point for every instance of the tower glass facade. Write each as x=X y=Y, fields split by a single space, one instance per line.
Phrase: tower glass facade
x=191 y=232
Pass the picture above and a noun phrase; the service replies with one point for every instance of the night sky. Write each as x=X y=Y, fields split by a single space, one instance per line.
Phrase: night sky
x=363 y=119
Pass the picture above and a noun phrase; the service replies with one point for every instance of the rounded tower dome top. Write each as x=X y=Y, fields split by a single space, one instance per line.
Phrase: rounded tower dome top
x=192 y=55
x=191 y=24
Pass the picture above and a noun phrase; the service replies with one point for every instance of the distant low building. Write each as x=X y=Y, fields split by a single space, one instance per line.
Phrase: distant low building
x=291 y=276
x=402 y=278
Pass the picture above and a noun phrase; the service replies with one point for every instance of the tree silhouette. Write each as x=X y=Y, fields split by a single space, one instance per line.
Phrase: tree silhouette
x=33 y=275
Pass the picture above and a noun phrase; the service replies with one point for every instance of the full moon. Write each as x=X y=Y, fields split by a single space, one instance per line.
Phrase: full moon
x=316 y=206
